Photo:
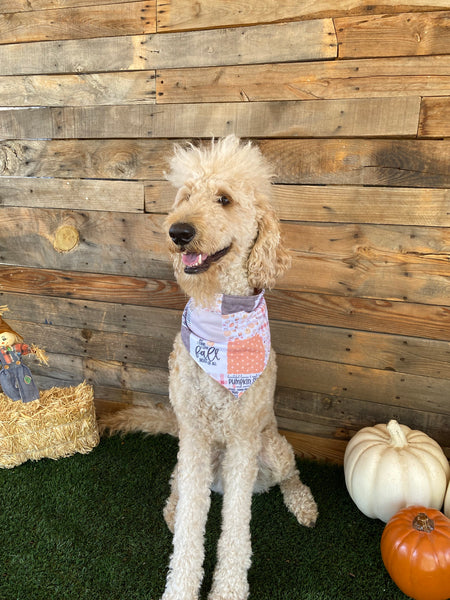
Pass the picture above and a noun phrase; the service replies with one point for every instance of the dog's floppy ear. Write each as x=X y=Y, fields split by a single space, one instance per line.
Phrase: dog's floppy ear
x=268 y=259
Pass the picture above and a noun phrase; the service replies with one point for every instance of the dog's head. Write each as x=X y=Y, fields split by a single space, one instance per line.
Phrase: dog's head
x=222 y=229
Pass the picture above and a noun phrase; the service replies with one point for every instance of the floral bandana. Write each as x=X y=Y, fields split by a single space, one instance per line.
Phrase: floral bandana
x=230 y=341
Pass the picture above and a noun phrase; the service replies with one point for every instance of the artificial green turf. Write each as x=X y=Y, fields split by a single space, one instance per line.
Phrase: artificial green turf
x=90 y=527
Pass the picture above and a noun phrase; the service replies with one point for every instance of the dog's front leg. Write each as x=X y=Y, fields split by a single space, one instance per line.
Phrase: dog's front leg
x=194 y=480
x=239 y=473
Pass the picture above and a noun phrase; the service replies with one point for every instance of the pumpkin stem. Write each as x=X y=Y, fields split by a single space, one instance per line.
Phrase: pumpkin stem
x=398 y=438
x=422 y=522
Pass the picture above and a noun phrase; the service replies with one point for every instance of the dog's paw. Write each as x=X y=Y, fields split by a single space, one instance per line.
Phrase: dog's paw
x=307 y=512
x=300 y=501
x=226 y=596
x=229 y=589
x=178 y=595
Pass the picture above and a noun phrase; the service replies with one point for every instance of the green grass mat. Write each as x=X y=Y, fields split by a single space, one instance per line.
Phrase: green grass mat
x=90 y=527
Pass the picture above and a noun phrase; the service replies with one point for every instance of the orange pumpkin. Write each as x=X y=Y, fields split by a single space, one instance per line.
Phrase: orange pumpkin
x=415 y=547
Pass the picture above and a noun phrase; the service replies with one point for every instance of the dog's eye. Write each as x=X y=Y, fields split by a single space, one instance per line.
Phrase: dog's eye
x=224 y=200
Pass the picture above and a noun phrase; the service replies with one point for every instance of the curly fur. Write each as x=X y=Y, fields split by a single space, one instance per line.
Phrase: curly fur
x=230 y=445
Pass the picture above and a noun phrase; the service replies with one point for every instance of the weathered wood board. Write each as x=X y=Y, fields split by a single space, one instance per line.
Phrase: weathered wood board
x=368 y=162
x=339 y=204
x=390 y=316
x=89 y=159
x=76 y=194
x=86 y=89
x=435 y=118
x=15 y=6
x=406 y=34
x=108 y=242
x=396 y=263
x=124 y=18
x=198 y=48
x=418 y=76
x=183 y=14
x=375 y=117
x=418 y=163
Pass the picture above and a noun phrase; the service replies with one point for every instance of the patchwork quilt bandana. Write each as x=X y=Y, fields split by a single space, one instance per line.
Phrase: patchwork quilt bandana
x=230 y=341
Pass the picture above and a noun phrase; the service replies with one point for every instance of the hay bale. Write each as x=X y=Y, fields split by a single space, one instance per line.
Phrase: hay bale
x=58 y=424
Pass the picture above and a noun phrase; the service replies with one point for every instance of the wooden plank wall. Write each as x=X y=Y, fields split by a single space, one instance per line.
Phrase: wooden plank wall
x=351 y=103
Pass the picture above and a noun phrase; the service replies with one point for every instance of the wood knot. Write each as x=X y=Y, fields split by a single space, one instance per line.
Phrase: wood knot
x=66 y=238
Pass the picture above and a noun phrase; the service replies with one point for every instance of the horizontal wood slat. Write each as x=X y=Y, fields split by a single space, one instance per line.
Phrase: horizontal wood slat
x=392 y=353
x=125 y=18
x=147 y=351
x=386 y=387
x=340 y=418
x=133 y=244
x=91 y=286
x=435 y=117
x=9 y=6
x=113 y=196
x=377 y=315
x=176 y=15
x=316 y=447
x=93 y=315
x=93 y=159
x=392 y=262
x=418 y=163
x=243 y=45
x=118 y=398
x=418 y=76
x=194 y=49
x=73 y=56
x=355 y=204
x=67 y=369
x=368 y=162
x=407 y=34
x=339 y=204
x=78 y=90
x=328 y=118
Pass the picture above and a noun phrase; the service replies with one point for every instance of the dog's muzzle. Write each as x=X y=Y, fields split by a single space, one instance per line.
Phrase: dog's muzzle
x=194 y=262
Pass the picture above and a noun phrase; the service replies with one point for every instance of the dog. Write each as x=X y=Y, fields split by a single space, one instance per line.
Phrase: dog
x=224 y=239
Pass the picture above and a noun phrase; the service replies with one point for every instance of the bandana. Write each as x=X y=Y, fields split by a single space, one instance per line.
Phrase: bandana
x=230 y=341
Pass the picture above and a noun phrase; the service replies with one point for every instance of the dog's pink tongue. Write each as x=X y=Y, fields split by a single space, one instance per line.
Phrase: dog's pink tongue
x=191 y=258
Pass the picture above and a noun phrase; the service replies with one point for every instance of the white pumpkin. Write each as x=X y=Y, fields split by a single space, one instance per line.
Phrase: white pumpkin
x=447 y=502
x=389 y=467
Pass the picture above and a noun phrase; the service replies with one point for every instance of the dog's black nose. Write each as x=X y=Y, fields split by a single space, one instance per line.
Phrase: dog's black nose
x=182 y=233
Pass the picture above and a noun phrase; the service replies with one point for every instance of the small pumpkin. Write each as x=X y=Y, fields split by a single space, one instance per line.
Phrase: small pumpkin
x=388 y=467
x=415 y=547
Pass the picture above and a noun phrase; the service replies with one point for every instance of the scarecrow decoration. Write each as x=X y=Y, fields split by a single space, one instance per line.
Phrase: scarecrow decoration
x=39 y=424
x=15 y=377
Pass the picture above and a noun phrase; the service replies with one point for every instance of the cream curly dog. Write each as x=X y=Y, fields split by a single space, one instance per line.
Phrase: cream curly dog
x=225 y=242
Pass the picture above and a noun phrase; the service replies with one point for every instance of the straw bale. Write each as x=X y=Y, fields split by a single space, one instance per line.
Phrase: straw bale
x=58 y=424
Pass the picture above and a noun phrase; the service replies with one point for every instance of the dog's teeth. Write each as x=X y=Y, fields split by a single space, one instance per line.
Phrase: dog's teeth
x=201 y=258
x=191 y=259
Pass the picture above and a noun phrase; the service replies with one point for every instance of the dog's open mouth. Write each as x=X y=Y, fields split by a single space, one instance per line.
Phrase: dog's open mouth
x=198 y=263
